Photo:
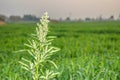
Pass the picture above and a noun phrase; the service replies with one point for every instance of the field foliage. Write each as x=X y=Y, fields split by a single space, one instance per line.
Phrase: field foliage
x=89 y=50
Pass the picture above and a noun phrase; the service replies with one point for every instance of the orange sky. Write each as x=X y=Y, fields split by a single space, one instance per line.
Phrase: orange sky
x=61 y=8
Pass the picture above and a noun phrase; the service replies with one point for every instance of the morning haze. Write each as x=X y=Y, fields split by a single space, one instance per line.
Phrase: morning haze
x=61 y=8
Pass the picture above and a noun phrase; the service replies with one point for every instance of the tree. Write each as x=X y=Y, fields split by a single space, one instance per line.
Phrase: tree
x=2 y=17
x=111 y=17
x=30 y=18
x=15 y=18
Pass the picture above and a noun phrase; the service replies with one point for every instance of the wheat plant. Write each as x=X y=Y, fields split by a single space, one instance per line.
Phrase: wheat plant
x=40 y=49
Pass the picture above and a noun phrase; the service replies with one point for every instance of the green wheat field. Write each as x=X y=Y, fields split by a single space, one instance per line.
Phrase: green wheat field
x=89 y=50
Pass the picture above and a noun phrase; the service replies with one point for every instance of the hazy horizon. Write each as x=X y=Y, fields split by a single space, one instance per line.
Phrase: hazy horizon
x=61 y=8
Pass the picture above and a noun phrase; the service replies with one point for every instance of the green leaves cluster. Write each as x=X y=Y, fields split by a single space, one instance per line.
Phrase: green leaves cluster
x=41 y=50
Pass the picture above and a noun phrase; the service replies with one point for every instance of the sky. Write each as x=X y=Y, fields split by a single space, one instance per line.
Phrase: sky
x=61 y=8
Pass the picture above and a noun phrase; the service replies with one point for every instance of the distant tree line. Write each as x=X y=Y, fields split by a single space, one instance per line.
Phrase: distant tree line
x=14 y=18
x=33 y=18
x=100 y=18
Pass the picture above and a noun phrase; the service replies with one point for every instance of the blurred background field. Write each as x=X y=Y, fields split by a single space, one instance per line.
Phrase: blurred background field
x=89 y=50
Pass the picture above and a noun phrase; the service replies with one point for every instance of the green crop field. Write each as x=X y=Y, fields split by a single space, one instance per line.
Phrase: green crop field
x=89 y=50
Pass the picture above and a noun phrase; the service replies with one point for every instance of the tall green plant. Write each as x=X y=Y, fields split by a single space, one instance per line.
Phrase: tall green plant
x=41 y=50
